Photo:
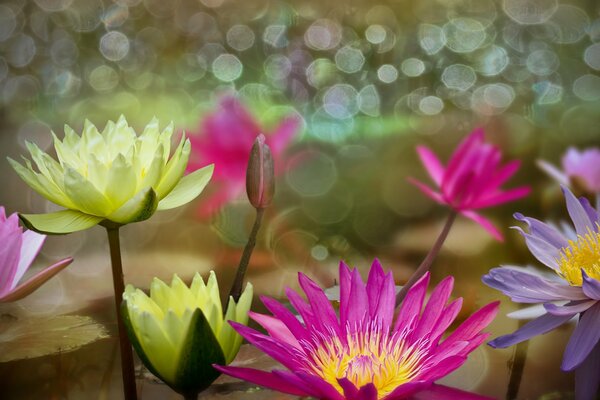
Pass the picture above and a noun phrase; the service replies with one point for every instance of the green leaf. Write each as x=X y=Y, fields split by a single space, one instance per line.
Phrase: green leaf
x=201 y=350
x=138 y=208
x=60 y=222
x=38 y=337
x=188 y=188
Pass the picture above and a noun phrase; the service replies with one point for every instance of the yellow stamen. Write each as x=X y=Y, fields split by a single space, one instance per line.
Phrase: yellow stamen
x=368 y=356
x=581 y=254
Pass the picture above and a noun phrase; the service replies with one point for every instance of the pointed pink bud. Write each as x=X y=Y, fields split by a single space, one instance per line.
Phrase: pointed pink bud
x=260 y=175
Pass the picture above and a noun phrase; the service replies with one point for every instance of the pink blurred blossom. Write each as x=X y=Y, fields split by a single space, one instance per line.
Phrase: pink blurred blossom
x=472 y=179
x=581 y=167
x=225 y=138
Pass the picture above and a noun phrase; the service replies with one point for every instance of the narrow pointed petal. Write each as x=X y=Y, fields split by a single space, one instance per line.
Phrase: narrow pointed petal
x=321 y=306
x=433 y=310
x=485 y=223
x=286 y=316
x=31 y=284
x=570 y=308
x=427 y=190
x=554 y=172
x=578 y=215
x=432 y=164
x=545 y=252
x=188 y=188
x=275 y=328
x=261 y=378
x=413 y=303
x=587 y=378
x=584 y=338
x=30 y=247
x=544 y=231
x=591 y=287
x=478 y=321
x=60 y=222
x=538 y=326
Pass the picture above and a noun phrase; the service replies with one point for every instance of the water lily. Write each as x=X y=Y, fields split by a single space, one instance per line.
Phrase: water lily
x=19 y=249
x=472 y=179
x=571 y=290
x=579 y=168
x=180 y=331
x=363 y=353
x=225 y=138
x=114 y=176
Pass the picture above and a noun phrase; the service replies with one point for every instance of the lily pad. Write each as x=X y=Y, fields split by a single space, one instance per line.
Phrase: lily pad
x=38 y=337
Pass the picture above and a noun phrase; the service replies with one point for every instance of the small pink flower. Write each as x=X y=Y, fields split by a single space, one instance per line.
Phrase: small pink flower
x=364 y=352
x=225 y=138
x=581 y=167
x=17 y=252
x=472 y=179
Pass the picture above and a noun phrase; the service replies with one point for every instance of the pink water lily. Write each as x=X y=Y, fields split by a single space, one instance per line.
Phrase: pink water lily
x=472 y=179
x=362 y=353
x=225 y=138
x=18 y=250
x=579 y=167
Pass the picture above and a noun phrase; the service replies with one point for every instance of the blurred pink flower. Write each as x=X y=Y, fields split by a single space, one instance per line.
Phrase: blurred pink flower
x=472 y=179
x=225 y=138
x=581 y=167
x=17 y=251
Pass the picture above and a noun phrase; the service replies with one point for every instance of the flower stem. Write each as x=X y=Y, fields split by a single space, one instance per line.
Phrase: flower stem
x=236 y=288
x=517 y=365
x=190 y=396
x=426 y=263
x=127 y=371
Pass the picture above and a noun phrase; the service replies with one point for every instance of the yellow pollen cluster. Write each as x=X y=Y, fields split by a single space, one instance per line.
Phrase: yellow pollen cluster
x=369 y=356
x=584 y=253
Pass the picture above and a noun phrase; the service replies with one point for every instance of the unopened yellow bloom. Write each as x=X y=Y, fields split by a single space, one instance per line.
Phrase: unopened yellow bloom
x=180 y=332
x=113 y=176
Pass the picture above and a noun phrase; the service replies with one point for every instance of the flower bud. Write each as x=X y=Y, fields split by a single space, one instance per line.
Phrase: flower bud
x=260 y=175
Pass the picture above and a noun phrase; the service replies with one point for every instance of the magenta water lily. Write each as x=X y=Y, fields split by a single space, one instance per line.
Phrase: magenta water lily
x=362 y=353
x=19 y=249
x=472 y=179
x=571 y=290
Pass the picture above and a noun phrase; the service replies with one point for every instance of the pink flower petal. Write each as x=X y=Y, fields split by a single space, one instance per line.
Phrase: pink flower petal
x=485 y=223
x=31 y=284
x=32 y=243
x=262 y=378
x=432 y=164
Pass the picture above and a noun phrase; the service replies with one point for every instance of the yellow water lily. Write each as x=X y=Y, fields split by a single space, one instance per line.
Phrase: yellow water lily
x=111 y=176
x=179 y=332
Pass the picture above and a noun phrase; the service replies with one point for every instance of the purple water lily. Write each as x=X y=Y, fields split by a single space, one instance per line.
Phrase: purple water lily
x=573 y=291
x=18 y=249
x=365 y=353
x=581 y=168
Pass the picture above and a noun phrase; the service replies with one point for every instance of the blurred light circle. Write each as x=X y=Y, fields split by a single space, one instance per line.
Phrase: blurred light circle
x=8 y=22
x=47 y=299
x=529 y=12
x=369 y=101
x=387 y=73
x=85 y=15
x=547 y=92
x=21 y=50
x=459 y=77
x=329 y=209
x=412 y=67
x=20 y=88
x=278 y=66
x=227 y=67
x=311 y=173
x=114 y=45
x=128 y=3
x=103 y=78
x=587 y=87
x=210 y=51
x=212 y=3
x=431 y=105
x=464 y=35
x=53 y=5
x=275 y=35
x=240 y=37
x=115 y=16
x=375 y=34
x=35 y=131
x=542 y=62
x=323 y=127
x=159 y=8
x=591 y=56
x=319 y=252
x=594 y=30
x=349 y=59
x=323 y=34
x=191 y=68
x=431 y=38
x=492 y=60
x=341 y=101
x=492 y=99
x=569 y=23
x=320 y=72
x=64 y=52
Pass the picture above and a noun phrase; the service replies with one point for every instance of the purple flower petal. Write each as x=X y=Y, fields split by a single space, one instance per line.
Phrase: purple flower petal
x=472 y=325
x=435 y=306
x=572 y=307
x=357 y=308
x=591 y=212
x=578 y=215
x=367 y=392
x=587 y=378
x=545 y=252
x=262 y=378
x=322 y=310
x=591 y=287
x=448 y=316
x=381 y=292
x=324 y=389
x=286 y=316
x=538 y=326
x=439 y=392
x=554 y=172
x=275 y=328
x=350 y=391
x=411 y=306
x=546 y=232
x=407 y=389
x=584 y=338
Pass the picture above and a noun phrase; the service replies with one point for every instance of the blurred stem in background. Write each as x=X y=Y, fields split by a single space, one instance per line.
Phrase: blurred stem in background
x=127 y=370
x=260 y=188
x=426 y=263
x=516 y=366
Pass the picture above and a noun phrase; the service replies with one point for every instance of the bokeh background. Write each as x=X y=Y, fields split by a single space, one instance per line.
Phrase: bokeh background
x=367 y=79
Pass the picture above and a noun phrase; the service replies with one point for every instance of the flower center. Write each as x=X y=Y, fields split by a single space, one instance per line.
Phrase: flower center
x=367 y=356
x=582 y=254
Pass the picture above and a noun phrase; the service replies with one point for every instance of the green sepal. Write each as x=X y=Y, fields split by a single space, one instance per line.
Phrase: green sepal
x=200 y=351
x=60 y=222
x=139 y=208
x=188 y=188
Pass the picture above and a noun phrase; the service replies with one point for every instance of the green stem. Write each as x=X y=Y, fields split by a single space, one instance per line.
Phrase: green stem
x=190 y=396
x=236 y=288
x=127 y=370
x=426 y=263
x=517 y=365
